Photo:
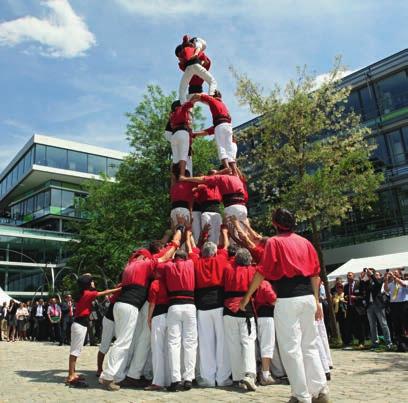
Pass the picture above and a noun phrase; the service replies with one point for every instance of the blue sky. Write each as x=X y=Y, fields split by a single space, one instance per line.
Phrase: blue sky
x=72 y=68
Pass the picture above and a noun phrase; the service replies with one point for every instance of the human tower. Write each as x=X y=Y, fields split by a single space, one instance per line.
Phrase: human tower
x=185 y=313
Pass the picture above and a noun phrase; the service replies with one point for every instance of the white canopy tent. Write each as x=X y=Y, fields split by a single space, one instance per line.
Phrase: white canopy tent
x=379 y=263
x=5 y=297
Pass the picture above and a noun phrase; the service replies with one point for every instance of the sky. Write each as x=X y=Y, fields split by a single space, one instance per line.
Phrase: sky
x=73 y=68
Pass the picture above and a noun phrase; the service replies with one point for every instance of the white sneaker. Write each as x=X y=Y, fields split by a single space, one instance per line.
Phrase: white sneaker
x=249 y=381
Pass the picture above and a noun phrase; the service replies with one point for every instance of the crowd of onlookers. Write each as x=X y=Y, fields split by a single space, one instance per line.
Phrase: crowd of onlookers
x=372 y=305
x=47 y=320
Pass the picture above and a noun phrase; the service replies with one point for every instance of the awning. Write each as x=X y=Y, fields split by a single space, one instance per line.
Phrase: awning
x=379 y=263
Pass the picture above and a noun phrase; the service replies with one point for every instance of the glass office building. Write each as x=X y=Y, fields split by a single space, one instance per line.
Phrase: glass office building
x=40 y=197
x=380 y=95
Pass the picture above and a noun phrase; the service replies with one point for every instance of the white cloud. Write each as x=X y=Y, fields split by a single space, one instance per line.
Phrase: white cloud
x=61 y=34
x=322 y=78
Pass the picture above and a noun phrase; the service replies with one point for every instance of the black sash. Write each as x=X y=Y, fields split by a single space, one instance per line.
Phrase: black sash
x=230 y=199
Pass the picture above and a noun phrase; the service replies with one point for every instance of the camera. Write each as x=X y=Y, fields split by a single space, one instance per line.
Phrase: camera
x=387 y=270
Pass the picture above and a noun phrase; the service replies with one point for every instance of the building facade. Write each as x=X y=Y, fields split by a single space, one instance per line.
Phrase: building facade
x=380 y=95
x=40 y=198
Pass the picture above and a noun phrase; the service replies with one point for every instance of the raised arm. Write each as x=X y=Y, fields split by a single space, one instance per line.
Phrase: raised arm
x=108 y=292
x=189 y=240
x=224 y=240
x=176 y=243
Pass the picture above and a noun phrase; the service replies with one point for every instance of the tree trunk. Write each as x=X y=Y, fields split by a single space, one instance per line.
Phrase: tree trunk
x=323 y=276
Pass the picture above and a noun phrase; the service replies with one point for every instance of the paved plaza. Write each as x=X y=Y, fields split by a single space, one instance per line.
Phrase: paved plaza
x=31 y=372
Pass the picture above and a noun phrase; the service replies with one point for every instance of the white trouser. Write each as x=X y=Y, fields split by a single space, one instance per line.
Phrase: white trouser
x=180 y=144
x=108 y=331
x=196 y=227
x=214 y=358
x=296 y=334
x=215 y=220
x=241 y=346
x=182 y=332
x=125 y=323
x=266 y=337
x=161 y=374
x=321 y=328
x=277 y=368
x=225 y=146
x=196 y=70
x=78 y=334
x=184 y=212
x=325 y=355
x=238 y=210
x=142 y=346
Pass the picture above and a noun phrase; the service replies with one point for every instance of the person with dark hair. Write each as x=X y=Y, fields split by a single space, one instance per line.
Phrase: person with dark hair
x=181 y=318
x=291 y=262
x=178 y=132
x=136 y=279
x=181 y=197
x=194 y=62
x=239 y=326
x=222 y=130
x=67 y=309
x=54 y=316
x=87 y=294
x=12 y=320
x=209 y=300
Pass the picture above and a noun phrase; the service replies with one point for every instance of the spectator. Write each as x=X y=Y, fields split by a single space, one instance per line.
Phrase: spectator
x=40 y=323
x=67 y=310
x=340 y=309
x=29 y=322
x=22 y=318
x=3 y=322
x=12 y=320
x=398 y=291
x=375 y=303
x=54 y=317
x=354 y=324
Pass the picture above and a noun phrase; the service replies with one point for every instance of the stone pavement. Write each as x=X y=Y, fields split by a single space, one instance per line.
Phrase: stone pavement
x=31 y=372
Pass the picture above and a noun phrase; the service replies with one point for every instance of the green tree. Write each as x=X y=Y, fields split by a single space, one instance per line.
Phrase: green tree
x=126 y=213
x=311 y=155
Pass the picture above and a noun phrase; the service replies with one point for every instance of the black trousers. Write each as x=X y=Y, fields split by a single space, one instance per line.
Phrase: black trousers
x=399 y=313
x=55 y=332
x=66 y=330
x=354 y=326
x=40 y=328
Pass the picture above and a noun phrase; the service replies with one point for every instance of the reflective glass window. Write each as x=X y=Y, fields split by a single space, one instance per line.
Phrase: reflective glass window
x=368 y=101
x=405 y=137
x=28 y=160
x=77 y=161
x=353 y=103
x=396 y=147
x=40 y=154
x=56 y=157
x=380 y=154
x=30 y=205
x=67 y=201
x=393 y=92
x=113 y=166
x=96 y=164
x=40 y=201
x=56 y=197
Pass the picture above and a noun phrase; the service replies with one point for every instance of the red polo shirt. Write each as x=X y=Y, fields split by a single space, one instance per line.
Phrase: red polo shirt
x=226 y=184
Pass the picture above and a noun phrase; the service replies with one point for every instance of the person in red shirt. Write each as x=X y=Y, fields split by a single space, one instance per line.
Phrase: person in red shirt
x=209 y=199
x=181 y=197
x=196 y=214
x=178 y=132
x=192 y=60
x=291 y=262
x=136 y=278
x=222 y=130
x=79 y=328
x=232 y=192
x=181 y=319
x=157 y=320
x=264 y=302
x=239 y=326
x=209 y=300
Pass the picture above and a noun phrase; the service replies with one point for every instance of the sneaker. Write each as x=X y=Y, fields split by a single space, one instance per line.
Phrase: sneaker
x=239 y=385
x=249 y=381
x=134 y=383
x=174 y=387
x=283 y=380
x=187 y=385
x=266 y=381
x=109 y=385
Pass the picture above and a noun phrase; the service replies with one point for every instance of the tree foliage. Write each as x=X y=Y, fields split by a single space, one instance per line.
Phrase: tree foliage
x=126 y=213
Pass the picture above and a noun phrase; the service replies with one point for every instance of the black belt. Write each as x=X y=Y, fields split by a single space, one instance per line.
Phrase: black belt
x=233 y=294
x=181 y=293
x=181 y=127
x=209 y=298
x=195 y=89
x=82 y=320
x=265 y=311
x=211 y=206
x=193 y=60
x=196 y=207
x=230 y=199
x=180 y=203
x=217 y=120
x=297 y=286
x=109 y=312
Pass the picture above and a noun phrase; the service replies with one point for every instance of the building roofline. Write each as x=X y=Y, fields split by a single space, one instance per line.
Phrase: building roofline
x=61 y=143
